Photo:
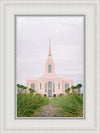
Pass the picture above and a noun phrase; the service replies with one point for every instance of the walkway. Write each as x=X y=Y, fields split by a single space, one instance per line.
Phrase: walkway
x=47 y=111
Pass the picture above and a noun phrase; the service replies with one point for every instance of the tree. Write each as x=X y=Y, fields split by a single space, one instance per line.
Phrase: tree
x=18 y=86
x=21 y=88
x=78 y=86
x=67 y=90
x=73 y=87
x=31 y=90
x=25 y=87
x=61 y=94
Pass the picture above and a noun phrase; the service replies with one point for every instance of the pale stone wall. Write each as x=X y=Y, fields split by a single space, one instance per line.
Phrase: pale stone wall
x=43 y=81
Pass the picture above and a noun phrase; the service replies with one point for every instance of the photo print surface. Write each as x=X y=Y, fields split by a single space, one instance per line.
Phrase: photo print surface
x=50 y=66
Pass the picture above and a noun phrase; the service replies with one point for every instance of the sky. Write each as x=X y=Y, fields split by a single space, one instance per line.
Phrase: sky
x=67 y=46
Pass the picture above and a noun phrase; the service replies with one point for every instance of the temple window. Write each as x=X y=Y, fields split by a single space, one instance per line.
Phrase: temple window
x=53 y=87
x=66 y=86
x=33 y=86
x=45 y=87
x=40 y=86
x=49 y=68
x=49 y=84
x=58 y=85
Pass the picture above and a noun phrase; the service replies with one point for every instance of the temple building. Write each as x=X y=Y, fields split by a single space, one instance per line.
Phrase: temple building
x=49 y=84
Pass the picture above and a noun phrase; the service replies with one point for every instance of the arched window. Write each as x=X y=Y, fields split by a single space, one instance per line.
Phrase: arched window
x=58 y=85
x=40 y=86
x=53 y=87
x=49 y=88
x=49 y=84
x=49 y=68
x=45 y=87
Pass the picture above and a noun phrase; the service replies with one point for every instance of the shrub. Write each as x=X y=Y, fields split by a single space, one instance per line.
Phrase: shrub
x=27 y=104
x=70 y=105
x=67 y=90
x=31 y=90
x=61 y=94
x=37 y=94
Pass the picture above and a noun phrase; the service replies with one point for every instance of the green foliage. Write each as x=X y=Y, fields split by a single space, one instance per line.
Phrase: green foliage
x=69 y=105
x=78 y=86
x=67 y=90
x=21 y=88
x=25 y=87
x=18 y=85
x=73 y=87
x=37 y=94
x=61 y=94
x=27 y=104
x=31 y=90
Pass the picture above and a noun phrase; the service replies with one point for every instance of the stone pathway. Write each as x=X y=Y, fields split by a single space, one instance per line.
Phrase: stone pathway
x=47 y=111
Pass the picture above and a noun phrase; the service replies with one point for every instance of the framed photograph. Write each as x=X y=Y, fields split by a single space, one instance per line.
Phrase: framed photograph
x=51 y=94
x=50 y=66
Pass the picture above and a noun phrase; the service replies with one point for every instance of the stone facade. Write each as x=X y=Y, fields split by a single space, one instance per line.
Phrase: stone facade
x=49 y=84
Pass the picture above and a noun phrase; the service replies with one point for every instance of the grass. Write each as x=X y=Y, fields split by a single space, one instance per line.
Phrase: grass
x=69 y=105
x=28 y=104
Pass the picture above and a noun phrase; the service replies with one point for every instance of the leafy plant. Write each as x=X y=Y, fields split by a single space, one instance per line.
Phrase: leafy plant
x=61 y=94
x=31 y=90
x=21 y=88
x=78 y=86
x=70 y=105
x=73 y=87
x=18 y=86
x=67 y=90
x=28 y=104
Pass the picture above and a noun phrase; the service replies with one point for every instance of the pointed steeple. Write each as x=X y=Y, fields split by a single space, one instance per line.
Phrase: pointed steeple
x=49 y=53
x=49 y=66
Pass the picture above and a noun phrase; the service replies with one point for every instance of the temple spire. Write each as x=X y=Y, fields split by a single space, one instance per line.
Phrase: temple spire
x=49 y=54
x=49 y=44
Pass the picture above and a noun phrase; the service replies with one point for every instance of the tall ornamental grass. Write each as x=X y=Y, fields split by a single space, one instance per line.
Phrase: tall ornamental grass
x=27 y=104
x=69 y=105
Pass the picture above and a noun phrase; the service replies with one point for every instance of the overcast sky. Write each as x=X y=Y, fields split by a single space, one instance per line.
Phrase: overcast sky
x=67 y=45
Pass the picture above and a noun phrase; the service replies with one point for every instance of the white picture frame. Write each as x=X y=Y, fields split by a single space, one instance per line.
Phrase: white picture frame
x=91 y=10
